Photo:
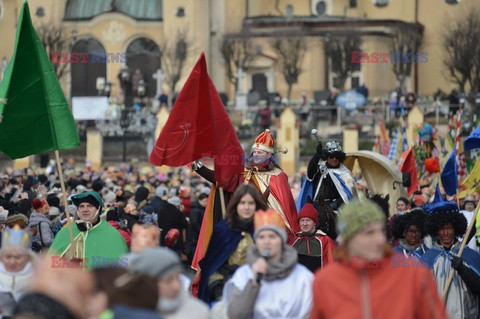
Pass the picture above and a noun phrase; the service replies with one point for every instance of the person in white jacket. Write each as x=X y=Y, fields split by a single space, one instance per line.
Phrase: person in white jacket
x=16 y=262
x=271 y=284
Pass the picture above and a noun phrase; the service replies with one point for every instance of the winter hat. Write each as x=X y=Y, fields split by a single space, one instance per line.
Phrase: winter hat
x=37 y=204
x=155 y=262
x=91 y=197
x=141 y=194
x=17 y=218
x=269 y=220
x=357 y=214
x=161 y=191
x=112 y=215
x=175 y=201
x=54 y=211
x=469 y=199
x=53 y=200
x=308 y=211
x=108 y=196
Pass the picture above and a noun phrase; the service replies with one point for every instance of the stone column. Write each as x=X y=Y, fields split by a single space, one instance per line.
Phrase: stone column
x=287 y=136
x=414 y=121
x=94 y=148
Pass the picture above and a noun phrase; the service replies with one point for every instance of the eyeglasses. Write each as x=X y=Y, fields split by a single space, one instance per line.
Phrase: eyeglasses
x=332 y=156
x=413 y=233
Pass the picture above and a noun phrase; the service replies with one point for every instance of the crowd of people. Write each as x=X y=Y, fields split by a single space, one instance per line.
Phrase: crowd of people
x=118 y=243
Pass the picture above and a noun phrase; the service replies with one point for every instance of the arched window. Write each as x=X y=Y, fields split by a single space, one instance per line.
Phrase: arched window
x=84 y=75
x=144 y=54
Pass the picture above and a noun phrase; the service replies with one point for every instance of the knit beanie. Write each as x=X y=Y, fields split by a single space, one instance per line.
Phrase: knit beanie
x=156 y=263
x=356 y=215
x=308 y=211
x=112 y=215
x=269 y=220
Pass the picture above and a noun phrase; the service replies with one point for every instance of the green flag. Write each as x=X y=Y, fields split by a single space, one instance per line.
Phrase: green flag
x=36 y=115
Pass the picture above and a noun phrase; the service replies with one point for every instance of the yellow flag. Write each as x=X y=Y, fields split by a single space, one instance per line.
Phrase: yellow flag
x=472 y=182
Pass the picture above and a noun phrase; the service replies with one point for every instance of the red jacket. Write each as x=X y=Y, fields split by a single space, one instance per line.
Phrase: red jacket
x=314 y=251
x=124 y=232
x=393 y=291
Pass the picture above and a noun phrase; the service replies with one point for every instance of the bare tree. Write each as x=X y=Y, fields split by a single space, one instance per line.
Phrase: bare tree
x=174 y=55
x=462 y=50
x=238 y=52
x=339 y=51
x=406 y=42
x=290 y=52
x=55 y=38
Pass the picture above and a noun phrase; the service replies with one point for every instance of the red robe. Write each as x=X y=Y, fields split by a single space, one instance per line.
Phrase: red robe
x=279 y=199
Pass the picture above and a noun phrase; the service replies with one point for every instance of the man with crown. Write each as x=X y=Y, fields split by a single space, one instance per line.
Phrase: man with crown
x=327 y=178
x=16 y=263
x=263 y=172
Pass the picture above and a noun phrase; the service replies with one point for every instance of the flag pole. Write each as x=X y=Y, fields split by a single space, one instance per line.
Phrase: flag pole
x=222 y=202
x=464 y=242
x=64 y=192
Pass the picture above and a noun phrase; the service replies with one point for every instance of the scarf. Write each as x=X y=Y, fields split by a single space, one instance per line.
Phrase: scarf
x=276 y=269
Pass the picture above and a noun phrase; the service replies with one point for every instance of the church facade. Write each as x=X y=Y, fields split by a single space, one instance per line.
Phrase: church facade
x=117 y=34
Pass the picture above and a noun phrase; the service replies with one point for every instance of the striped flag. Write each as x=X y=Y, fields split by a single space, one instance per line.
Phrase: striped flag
x=392 y=154
x=450 y=136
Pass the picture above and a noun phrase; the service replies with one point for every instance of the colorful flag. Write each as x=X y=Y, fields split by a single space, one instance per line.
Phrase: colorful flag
x=392 y=154
x=449 y=175
x=450 y=136
x=408 y=165
x=199 y=127
x=471 y=184
x=473 y=140
x=36 y=115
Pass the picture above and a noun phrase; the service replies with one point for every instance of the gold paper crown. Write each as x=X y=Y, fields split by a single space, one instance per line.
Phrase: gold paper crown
x=264 y=142
x=269 y=217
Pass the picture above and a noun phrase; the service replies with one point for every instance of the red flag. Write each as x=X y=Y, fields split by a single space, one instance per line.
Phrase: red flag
x=408 y=165
x=198 y=127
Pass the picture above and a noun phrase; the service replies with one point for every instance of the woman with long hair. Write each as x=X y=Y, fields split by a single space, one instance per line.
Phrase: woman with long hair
x=229 y=242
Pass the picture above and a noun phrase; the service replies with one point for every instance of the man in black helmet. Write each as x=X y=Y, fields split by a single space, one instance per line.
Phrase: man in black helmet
x=327 y=178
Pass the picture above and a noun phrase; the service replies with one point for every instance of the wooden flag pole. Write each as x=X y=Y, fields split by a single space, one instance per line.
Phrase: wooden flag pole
x=464 y=242
x=222 y=202
x=64 y=192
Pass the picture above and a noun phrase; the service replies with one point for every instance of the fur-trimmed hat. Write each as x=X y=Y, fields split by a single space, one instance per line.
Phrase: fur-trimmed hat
x=308 y=211
x=269 y=220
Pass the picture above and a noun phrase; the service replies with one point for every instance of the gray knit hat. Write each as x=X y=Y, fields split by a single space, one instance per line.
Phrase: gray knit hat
x=155 y=262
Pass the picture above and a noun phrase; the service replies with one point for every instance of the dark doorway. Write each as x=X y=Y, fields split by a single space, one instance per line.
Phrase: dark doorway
x=144 y=54
x=84 y=75
x=259 y=84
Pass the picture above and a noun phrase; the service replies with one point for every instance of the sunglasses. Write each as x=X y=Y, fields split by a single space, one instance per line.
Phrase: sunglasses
x=332 y=156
